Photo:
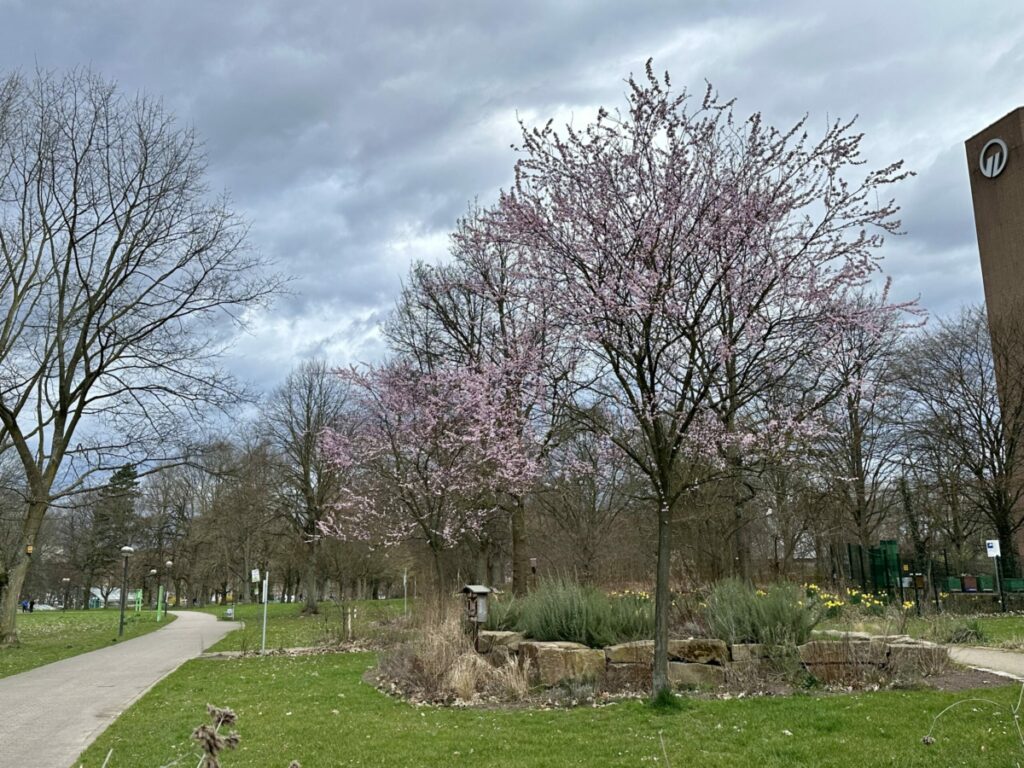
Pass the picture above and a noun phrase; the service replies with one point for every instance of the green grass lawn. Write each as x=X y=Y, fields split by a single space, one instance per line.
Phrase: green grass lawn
x=288 y=627
x=46 y=636
x=1002 y=629
x=315 y=709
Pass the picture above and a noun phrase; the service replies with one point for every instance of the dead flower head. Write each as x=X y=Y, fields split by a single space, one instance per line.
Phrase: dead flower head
x=221 y=715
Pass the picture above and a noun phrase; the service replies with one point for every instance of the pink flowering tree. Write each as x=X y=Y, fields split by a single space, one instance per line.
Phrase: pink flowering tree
x=702 y=261
x=483 y=310
x=426 y=454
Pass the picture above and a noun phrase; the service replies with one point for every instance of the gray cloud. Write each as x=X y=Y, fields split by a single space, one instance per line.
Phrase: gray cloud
x=353 y=134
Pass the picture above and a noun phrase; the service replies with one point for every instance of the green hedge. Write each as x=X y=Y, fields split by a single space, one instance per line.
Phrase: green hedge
x=560 y=609
x=738 y=613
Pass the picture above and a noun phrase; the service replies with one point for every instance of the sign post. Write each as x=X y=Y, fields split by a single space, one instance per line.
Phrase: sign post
x=160 y=603
x=266 y=590
x=992 y=550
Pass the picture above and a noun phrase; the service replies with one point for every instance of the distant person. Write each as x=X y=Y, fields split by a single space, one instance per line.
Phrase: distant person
x=24 y=606
x=31 y=605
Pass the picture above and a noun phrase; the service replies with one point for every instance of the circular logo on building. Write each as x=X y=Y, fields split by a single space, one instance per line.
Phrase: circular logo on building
x=993 y=158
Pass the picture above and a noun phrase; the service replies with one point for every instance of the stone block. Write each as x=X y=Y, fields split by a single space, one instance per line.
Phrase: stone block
x=840 y=634
x=817 y=652
x=915 y=659
x=748 y=651
x=685 y=675
x=699 y=651
x=489 y=639
x=749 y=669
x=627 y=677
x=551 y=663
x=637 y=652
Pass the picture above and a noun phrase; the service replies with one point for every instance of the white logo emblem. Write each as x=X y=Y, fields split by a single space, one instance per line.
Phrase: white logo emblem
x=993 y=158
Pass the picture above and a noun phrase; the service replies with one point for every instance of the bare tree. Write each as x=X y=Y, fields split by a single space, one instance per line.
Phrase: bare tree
x=118 y=282
x=589 y=488
x=951 y=373
x=863 y=451
x=311 y=400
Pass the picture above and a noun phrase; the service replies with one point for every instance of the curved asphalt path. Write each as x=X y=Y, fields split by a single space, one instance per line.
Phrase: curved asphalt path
x=1008 y=663
x=49 y=714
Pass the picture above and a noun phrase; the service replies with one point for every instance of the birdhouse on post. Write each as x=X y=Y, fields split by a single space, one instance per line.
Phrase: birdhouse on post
x=476 y=608
x=476 y=602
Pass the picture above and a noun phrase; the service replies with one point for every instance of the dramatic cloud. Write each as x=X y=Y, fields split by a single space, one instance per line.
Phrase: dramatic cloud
x=353 y=134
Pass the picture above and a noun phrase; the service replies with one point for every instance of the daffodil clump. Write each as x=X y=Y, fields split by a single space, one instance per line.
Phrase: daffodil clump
x=834 y=604
x=631 y=594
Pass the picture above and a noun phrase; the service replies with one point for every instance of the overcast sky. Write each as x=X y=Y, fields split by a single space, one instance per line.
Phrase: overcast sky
x=353 y=134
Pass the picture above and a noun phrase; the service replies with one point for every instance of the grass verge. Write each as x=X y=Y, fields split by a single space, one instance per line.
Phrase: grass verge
x=316 y=709
x=288 y=627
x=48 y=636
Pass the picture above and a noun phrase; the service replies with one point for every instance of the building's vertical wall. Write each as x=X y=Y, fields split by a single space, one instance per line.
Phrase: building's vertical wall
x=999 y=215
x=997 y=189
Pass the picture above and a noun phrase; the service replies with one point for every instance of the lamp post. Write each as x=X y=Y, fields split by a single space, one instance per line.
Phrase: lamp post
x=156 y=580
x=169 y=564
x=67 y=585
x=126 y=552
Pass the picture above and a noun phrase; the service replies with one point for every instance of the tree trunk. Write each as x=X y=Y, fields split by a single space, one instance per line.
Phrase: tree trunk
x=520 y=560
x=741 y=547
x=311 y=574
x=16 y=575
x=662 y=600
x=1007 y=549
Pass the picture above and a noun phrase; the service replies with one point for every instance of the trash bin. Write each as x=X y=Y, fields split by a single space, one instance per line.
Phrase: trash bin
x=952 y=584
x=970 y=583
x=229 y=614
x=986 y=583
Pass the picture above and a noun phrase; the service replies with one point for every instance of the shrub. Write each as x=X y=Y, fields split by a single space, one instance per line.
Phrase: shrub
x=560 y=609
x=502 y=613
x=945 y=629
x=440 y=665
x=737 y=613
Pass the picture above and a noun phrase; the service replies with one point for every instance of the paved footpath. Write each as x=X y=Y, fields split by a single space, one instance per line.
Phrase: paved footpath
x=992 y=659
x=49 y=714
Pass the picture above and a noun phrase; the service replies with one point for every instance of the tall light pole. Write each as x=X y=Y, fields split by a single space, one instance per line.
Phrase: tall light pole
x=167 y=592
x=126 y=552
x=156 y=580
x=67 y=585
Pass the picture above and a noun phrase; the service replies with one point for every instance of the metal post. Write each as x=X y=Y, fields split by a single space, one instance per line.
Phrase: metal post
x=863 y=575
x=999 y=585
x=124 y=596
x=885 y=572
x=266 y=590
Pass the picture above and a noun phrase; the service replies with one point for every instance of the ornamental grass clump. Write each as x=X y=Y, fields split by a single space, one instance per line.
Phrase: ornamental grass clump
x=956 y=631
x=502 y=613
x=561 y=609
x=779 y=616
x=439 y=664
